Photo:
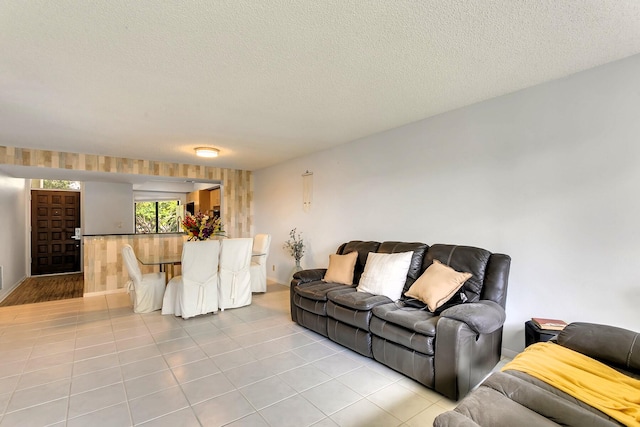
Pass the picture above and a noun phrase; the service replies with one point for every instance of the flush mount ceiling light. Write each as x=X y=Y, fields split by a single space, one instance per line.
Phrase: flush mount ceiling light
x=207 y=152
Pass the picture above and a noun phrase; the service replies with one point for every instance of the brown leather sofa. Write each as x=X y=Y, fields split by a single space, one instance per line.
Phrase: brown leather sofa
x=449 y=351
x=513 y=398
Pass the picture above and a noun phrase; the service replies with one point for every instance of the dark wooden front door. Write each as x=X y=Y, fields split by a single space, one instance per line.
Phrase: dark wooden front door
x=54 y=218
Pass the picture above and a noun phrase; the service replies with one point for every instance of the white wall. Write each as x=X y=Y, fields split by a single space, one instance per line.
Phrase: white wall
x=13 y=232
x=549 y=175
x=108 y=208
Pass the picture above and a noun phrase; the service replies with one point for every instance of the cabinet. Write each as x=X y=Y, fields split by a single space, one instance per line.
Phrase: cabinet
x=205 y=201
x=200 y=200
x=214 y=198
x=533 y=334
x=191 y=197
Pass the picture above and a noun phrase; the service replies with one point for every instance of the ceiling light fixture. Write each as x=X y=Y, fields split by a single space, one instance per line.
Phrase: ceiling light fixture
x=207 y=152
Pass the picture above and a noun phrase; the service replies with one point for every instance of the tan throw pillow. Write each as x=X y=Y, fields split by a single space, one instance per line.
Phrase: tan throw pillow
x=437 y=285
x=341 y=268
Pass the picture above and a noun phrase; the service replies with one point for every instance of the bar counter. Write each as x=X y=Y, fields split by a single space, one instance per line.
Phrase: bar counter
x=104 y=271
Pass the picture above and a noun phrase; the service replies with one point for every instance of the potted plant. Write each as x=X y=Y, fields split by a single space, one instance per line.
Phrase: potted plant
x=295 y=247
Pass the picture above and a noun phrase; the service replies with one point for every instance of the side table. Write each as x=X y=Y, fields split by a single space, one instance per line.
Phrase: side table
x=533 y=334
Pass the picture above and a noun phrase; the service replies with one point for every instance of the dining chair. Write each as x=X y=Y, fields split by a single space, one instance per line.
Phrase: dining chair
x=234 y=285
x=145 y=290
x=194 y=292
x=258 y=269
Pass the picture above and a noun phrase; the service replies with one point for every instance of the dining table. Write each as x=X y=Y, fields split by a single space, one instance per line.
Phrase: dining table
x=165 y=261
x=168 y=261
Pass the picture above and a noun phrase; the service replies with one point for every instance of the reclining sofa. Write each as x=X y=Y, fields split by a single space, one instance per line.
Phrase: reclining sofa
x=449 y=351
x=515 y=398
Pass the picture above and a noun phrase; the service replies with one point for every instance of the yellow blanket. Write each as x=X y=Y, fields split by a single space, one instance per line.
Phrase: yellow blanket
x=584 y=378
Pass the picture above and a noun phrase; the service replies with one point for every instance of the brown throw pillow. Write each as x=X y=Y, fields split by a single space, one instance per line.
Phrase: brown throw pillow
x=437 y=285
x=341 y=268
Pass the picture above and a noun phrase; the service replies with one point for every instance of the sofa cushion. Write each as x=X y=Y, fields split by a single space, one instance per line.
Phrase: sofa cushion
x=522 y=388
x=310 y=305
x=317 y=290
x=437 y=285
x=341 y=268
x=420 y=321
x=363 y=301
x=353 y=308
x=414 y=364
x=363 y=249
x=314 y=321
x=385 y=274
x=402 y=337
x=489 y=407
x=355 y=338
x=356 y=318
x=418 y=249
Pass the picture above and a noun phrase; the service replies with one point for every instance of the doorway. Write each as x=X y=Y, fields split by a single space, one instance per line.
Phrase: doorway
x=54 y=217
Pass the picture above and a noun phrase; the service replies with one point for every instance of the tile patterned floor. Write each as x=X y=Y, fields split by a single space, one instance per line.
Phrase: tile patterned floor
x=93 y=362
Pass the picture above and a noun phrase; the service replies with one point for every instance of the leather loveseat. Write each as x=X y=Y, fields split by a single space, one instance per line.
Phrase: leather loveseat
x=515 y=398
x=449 y=351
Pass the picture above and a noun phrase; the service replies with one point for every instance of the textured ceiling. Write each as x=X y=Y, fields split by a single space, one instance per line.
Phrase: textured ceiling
x=267 y=81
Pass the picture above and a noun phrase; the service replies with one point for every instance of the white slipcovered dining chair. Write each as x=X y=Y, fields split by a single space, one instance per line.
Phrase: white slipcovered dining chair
x=145 y=290
x=196 y=290
x=258 y=269
x=234 y=287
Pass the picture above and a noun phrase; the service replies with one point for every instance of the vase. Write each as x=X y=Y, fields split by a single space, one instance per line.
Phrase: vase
x=294 y=271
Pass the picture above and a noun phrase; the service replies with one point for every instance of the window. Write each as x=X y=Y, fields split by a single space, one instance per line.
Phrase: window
x=157 y=217
x=55 y=184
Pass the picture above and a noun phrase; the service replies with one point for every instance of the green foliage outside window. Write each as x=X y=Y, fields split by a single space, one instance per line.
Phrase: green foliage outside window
x=146 y=217
x=167 y=217
x=59 y=184
x=157 y=217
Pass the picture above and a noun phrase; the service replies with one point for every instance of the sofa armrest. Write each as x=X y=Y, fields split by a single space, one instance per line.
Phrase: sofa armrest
x=483 y=317
x=453 y=419
x=305 y=276
x=300 y=277
x=468 y=346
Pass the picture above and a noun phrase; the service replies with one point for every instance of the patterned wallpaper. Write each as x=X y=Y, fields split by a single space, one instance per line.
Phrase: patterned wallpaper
x=237 y=184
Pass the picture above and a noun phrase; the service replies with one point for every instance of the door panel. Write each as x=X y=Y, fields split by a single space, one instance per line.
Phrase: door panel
x=54 y=218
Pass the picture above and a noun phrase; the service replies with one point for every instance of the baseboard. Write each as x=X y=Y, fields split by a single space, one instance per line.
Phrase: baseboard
x=275 y=282
x=12 y=288
x=97 y=294
x=508 y=353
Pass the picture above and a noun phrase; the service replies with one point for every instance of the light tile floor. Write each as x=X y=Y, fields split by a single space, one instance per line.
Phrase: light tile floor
x=93 y=362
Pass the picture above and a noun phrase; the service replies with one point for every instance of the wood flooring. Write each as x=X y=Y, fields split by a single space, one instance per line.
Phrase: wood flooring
x=46 y=288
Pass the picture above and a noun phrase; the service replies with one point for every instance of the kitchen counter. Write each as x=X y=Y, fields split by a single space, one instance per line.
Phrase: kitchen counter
x=136 y=234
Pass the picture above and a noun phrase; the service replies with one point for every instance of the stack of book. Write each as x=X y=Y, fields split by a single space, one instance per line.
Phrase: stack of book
x=549 y=324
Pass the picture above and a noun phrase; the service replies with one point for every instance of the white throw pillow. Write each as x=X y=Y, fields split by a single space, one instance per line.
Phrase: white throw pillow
x=385 y=274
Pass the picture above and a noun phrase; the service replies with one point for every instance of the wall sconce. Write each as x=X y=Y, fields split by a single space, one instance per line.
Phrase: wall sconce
x=207 y=152
x=307 y=190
